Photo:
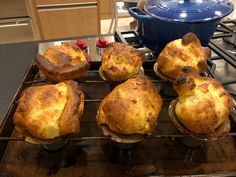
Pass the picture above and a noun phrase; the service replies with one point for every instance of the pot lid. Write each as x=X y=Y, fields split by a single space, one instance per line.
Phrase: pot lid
x=188 y=10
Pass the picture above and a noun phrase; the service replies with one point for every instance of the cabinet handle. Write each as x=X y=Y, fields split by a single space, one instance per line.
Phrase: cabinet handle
x=68 y=6
x=14 y=24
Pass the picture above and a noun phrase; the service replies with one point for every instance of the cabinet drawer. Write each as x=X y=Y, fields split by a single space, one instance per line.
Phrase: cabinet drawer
x=15 y=30
x=51 y=2
x=13 y=9
x=69 y=21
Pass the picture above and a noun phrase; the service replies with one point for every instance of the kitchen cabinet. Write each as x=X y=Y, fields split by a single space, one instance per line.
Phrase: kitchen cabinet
x=66 y=18
x=15 y=30
x=105 y=8
x=15 y=23
x=12 y=8
x=68 y=22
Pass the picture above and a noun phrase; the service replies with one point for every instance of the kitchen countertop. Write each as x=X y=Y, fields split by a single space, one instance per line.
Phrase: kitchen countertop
x=15 y=58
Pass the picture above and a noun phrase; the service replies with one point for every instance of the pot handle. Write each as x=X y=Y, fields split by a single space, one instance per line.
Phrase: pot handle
x=139 y=15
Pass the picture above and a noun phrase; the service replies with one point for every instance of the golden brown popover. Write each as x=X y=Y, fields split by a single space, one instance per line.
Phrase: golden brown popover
x=120 y=62
x=203 y=102
x=50 y=111
x=131 y=108
x=183 y=52
x=64 y=62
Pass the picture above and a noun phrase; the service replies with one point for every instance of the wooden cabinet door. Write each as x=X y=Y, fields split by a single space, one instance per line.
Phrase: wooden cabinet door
x=69 y=21
x=105 y=9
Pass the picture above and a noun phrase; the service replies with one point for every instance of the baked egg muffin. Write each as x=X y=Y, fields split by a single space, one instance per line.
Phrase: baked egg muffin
x=204 y=105
x=130 y=111
x=183 y=52
x=120 y=62
x=62 y=62
x=49 y=111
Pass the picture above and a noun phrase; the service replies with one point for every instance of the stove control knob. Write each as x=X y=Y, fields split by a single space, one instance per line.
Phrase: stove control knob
x=101 y=44
x=82 y=45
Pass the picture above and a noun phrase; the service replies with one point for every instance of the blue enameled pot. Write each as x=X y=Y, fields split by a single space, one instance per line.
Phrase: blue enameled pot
x=162 y=21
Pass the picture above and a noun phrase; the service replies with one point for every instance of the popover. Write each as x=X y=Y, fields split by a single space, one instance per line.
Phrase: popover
x=49 y=111
x=203 y=104
x=131 y=108
x=120 y=62
x=183 y=52
x=63 y=62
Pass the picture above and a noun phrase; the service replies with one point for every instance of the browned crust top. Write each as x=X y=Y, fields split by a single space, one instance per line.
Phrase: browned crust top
x=204 y=103
x=183 y=52
x=64 y=62
x=132 y=107
x=49 y=111
x=121 y=61
x=69 y=121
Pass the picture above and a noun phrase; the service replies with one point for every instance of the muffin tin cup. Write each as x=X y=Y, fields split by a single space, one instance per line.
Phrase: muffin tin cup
x=167 y=89
x=56 y=146
x=161 y=75
x=190 y=142
x=122 y=141
x=124 y=146
x=49 y=144
x=218 y=133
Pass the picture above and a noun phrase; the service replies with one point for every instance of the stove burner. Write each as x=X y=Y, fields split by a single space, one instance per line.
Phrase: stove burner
x=229 y=27
x=231 y=40
x=128 y=37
